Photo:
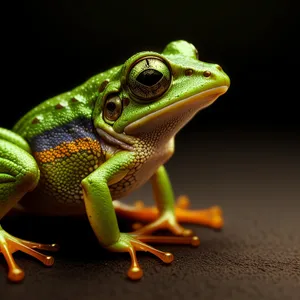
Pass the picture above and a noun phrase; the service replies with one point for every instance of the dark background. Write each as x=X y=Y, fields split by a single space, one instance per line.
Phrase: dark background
x=52 y=46
x=241 y=153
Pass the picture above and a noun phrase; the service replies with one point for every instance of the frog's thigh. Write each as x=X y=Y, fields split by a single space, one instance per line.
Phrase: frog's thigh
x=19 y=174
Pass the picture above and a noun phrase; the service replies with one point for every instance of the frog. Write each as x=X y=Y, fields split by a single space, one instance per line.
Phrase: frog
x=83 y=151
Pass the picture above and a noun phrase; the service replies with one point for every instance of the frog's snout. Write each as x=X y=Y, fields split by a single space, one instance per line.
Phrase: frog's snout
x=216 y=73
x=212 y=74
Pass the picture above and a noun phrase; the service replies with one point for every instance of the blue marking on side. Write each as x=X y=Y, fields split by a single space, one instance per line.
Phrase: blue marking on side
x=76 y=129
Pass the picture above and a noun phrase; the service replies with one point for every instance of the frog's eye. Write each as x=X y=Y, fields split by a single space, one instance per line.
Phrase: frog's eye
x=112 y=108
x=149 y=78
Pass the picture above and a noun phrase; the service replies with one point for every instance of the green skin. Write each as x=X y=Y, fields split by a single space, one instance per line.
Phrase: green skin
x=136 y=137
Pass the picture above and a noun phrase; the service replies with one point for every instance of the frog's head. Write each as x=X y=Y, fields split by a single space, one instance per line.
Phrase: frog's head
x=155 y=92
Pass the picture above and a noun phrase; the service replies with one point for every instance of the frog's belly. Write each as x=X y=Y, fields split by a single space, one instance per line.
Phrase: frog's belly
x=138 y=176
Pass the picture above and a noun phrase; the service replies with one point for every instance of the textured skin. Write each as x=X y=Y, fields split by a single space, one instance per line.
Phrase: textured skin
x=62 y=109
x=65 y=156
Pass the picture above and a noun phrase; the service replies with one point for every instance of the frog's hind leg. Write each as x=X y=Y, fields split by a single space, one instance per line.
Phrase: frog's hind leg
x=19 y=174
x=210 y=217
x=167 y=215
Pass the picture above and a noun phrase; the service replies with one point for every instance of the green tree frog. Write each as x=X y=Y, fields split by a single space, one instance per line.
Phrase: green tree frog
x=82 y=151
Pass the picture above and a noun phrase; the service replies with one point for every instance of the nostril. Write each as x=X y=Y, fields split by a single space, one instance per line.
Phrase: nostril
x=206 y=73
x=219 y=68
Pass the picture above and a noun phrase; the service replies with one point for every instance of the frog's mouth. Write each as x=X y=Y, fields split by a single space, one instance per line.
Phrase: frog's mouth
x=182 y=110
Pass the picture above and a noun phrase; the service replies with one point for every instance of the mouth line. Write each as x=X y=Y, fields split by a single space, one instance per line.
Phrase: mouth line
x=205 y=98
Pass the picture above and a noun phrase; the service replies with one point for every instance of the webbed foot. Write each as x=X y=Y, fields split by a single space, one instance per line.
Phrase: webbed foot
x=166 y=221
x=10 y=244
x=131 y=243
x=210 y=217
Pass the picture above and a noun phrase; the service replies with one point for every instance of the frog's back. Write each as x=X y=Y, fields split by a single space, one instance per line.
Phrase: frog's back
x=65 y=145
x=62 y=109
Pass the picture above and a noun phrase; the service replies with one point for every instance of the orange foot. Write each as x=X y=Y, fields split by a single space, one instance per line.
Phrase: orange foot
x=10 y=244
x=132 y=243
x=210 y=217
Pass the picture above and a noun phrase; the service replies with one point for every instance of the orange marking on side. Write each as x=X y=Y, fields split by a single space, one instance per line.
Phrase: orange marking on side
x=67 y=149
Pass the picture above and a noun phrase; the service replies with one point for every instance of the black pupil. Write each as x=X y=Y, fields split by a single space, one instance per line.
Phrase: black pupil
x=111 y=106
x=149 y=77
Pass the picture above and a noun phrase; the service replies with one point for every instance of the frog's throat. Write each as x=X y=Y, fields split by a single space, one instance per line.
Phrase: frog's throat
x=115 y=139
x=195 y=102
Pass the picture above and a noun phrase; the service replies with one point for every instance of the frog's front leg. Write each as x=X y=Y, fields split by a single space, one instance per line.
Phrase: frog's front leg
x=167 y=214
x=19 y=174
x=102 y=216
